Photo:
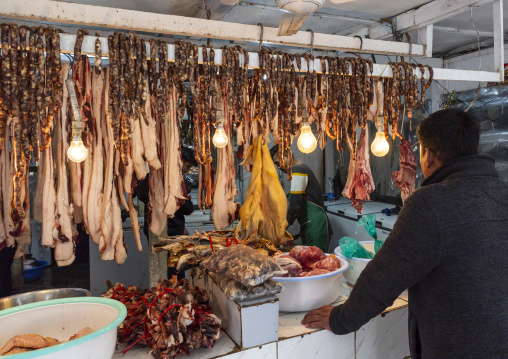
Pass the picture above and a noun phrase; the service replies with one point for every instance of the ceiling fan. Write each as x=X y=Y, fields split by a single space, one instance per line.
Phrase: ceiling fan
x=295 y=12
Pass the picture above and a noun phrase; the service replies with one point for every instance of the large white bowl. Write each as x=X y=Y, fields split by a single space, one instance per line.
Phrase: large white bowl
x=62 y=318
x=306 y=293
x=357 y=265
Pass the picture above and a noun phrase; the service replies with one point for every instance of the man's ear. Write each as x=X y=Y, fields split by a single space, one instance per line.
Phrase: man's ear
x=433 y=161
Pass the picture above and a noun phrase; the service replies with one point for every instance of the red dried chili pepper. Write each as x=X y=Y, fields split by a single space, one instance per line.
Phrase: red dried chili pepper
x=211 y=245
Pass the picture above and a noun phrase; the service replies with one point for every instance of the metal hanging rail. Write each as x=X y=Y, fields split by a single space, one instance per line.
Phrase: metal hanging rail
x=380 y=70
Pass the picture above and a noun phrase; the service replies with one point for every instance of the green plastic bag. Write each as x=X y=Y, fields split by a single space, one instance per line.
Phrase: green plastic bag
x=350 y=247
x=369 y=222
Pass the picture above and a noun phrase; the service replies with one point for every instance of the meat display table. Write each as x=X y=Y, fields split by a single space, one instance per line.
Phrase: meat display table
x=383 y=337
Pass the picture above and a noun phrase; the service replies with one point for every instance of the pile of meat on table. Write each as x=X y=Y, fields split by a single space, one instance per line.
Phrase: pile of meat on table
x=306 y=261
x=170 y=319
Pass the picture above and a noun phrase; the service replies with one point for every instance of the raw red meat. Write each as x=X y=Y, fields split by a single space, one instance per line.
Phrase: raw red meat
x=359 y=178
x=405 y=178
x=307 y=255
x=288 y=263
x=314 y=272
x=330 y=263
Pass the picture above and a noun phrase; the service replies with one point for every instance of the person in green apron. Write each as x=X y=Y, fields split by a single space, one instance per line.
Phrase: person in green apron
x=306 y=204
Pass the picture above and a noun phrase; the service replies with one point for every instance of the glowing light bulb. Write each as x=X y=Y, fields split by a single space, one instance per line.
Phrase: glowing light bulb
x=220 y=139
x=77 y=152
x=307 y=141
x=265 y=76
x=380 y=146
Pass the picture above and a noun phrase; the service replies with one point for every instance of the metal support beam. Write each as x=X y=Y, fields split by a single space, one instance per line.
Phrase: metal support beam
x=139 y=21
x=464 y=31
x=498 y=38
x=434 y=11
x=425 y=38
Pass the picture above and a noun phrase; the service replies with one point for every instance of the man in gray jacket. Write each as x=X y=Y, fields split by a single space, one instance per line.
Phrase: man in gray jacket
x=449 y=247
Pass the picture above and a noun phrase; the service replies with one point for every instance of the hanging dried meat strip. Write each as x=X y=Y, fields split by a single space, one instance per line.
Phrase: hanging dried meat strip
x=144 y=76
x=19 y=164
x=33 y=123
x=79 y=43
x=41 y=78
x=3 y=112
x=23 y=77
x=47 y=120
x=425 y=87
x=152 y=71
x=124 y=128
x=5 y=102
x=115 y=110
x=57 y=78
x=98 y=55
x=139 y=104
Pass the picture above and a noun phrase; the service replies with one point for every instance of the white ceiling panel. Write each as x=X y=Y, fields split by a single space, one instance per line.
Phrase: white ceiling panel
x=171 y=7
x=366 y=9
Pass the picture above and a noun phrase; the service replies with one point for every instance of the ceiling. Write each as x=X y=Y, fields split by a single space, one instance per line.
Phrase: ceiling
x=265 y=12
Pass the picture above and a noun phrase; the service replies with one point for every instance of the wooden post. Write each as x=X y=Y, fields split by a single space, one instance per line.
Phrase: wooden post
x=425 y=38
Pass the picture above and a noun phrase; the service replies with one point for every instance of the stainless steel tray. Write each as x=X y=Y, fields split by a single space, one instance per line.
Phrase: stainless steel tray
x=42 y=295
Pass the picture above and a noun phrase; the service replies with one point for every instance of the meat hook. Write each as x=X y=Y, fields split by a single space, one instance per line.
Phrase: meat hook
x=311 y=41
x=361 y=45
x=261 y=37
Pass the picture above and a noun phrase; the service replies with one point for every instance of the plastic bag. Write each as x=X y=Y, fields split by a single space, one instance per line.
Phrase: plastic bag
x=236 y=291
x=288 y=263
x=243 y=264
x=350 y=248
x=369 y=222
x=307 y=255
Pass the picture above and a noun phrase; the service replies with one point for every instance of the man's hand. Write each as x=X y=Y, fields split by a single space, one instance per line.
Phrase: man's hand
x=318 y=318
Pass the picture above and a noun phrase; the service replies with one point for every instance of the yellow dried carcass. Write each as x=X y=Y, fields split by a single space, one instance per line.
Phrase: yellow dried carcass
x=263 y=214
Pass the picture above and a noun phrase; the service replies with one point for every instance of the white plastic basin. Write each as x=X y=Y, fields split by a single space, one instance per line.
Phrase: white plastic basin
x=306 y=293
x=62 y=318
x=357 y=265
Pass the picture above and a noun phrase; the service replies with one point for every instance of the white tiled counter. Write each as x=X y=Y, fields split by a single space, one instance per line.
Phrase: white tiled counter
x=383 y=337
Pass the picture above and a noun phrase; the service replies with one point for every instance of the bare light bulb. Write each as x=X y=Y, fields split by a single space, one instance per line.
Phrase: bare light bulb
x=265 y=76
x=307 y=141
x=220 y=139
x=380 y=146
x=77 y=152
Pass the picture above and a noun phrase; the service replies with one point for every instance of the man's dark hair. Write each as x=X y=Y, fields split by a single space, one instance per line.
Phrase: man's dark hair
x=450 y=134
x=188 y=155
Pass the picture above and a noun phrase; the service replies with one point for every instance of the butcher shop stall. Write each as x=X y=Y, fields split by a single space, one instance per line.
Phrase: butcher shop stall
x=148 y=154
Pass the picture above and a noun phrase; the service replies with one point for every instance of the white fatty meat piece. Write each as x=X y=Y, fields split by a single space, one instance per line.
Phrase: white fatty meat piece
x=175 y=193
x=97 y=166
x=64 y=207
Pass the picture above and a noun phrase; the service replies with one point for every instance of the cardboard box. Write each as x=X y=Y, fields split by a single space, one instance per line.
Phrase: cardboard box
x=249 y=323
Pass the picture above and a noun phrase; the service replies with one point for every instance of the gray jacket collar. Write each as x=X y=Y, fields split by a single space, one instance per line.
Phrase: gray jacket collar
x=466 y=166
